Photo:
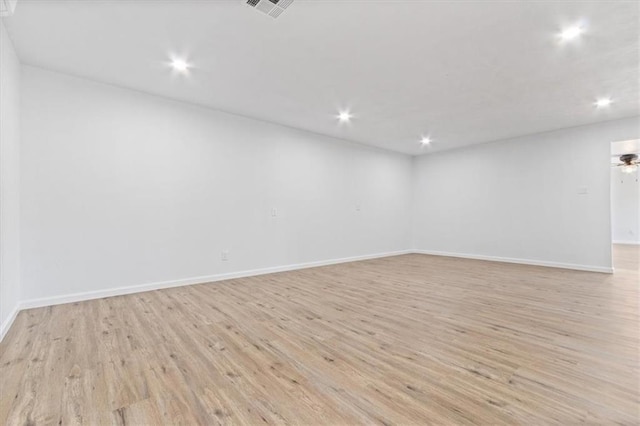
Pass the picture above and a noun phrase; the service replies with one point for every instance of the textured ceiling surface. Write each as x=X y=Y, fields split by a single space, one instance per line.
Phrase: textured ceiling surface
x=460 y=72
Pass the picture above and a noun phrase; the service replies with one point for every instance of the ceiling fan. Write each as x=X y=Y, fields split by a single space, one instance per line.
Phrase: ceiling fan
x=628 y=162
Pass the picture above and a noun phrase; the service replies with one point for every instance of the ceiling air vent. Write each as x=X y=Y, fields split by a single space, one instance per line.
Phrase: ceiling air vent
x=273 y=8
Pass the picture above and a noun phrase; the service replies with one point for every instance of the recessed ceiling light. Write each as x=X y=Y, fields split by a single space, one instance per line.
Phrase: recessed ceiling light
x=604 y=102
x=571 y=33
x=425 y=140
x=344 y=116
x=180 y=65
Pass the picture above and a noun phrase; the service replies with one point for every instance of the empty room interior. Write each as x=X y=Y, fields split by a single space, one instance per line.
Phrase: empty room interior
x=319 y=212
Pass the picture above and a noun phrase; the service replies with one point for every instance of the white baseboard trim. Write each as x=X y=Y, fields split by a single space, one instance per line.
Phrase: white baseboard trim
x=603 y=269
x=6 y=325
x=632 y=243
x=120 y=291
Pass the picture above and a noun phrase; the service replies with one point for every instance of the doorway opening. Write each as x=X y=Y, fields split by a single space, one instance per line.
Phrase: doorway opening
x=625 y=203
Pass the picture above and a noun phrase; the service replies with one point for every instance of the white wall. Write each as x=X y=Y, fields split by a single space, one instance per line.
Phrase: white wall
x=625 y=207
x=520 y=198
x=121 y=188
x=9 y=181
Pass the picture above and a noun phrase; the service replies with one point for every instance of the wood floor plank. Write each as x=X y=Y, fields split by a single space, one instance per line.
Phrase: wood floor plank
x=411 y=339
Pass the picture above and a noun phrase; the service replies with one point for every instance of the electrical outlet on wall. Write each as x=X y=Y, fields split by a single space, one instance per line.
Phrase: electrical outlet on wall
x=274 y=212
x=225 y=255
x=358 y=207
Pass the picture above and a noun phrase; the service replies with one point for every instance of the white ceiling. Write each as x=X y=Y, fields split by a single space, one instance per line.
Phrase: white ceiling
x=624 y=147
x=462 y=72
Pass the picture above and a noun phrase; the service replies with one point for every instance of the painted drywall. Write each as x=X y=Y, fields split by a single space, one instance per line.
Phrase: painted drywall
x=9 y=181
x=543 y=198
x=625 y=207
x=121 y=189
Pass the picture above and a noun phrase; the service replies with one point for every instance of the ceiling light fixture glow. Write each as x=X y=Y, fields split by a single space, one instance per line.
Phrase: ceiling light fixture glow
x=571 y=33
x=180 y=65
x=425 y=140
x=344 y=116
x=604 y=102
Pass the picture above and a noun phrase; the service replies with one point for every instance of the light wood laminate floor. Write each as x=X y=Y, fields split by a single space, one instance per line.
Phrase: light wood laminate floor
x=411 y=339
